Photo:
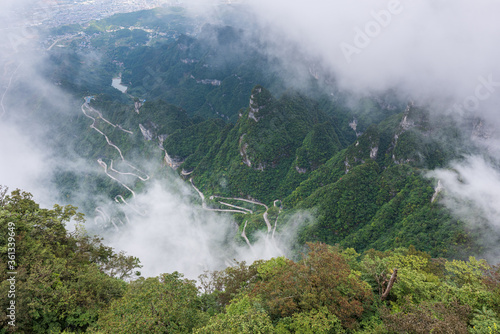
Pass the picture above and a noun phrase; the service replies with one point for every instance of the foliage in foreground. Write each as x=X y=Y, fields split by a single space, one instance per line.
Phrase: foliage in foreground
x=72 y=283
x=63 y=279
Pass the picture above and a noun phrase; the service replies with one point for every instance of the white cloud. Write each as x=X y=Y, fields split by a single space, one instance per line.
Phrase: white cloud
x=428 y=48
x=441 y=53
x=23 y=165
x=176 y=234
x=472 y=193
x=472 y=184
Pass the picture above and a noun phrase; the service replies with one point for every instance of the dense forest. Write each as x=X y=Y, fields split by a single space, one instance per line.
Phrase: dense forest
x=381 y=253
x=72 y=283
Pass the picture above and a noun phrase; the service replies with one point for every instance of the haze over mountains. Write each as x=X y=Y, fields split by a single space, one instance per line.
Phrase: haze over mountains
x=197 y=135
x=370 y=59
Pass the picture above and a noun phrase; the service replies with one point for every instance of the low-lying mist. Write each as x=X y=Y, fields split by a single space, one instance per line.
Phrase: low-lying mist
x=441 y=54
x=471 y=190
x=168 y=231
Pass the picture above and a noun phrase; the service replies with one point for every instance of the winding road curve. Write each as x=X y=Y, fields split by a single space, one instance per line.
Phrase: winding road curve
x=8 y=86
x=87 y=110
x=268 y=224
x=145 y=178
x=204 y=204
x=244 y=235
x=270 y=230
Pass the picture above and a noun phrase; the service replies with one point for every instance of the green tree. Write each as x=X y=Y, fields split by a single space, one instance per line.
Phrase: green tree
x=165 y=304
x=428 y=317
x=322 y=279
x=315 y=321
x=61 y=281
x=243 y=315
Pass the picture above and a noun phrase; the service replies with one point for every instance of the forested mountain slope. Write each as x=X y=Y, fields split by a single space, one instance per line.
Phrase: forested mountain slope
x=70 y=282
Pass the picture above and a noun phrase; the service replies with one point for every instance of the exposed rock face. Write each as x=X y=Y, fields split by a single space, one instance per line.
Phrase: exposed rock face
x=246 y=159
x=161 y=139
x=406 y=123
x=481 y=130
x=411 y=119
x=174 y=163
x=260 y=167
x=437 y=190
x=243 y=151
x=251 y=114
x=256 y=104
x=147 y=133
x=314 y=72
x=150 y=134
x=254 y=108
x=300 y=170
x=354 y=125
x=366 y=147
x=137 y=106
x=259 y=100
x=347 y=165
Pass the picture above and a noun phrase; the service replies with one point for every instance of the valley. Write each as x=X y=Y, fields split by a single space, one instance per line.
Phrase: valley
x=221 y=177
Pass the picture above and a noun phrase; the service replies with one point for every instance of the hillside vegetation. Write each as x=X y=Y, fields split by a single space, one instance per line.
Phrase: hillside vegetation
x=72 y=283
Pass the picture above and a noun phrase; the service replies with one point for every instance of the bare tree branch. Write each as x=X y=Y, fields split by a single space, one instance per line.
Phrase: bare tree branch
x=389 y=286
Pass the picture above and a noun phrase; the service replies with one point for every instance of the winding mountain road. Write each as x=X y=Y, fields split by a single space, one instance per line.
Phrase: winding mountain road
x=87 y=111
x=270 y=230
x=244 y=236
x=7 y=88
x=204 y=204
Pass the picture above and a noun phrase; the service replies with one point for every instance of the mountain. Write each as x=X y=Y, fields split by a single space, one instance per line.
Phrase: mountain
x=211 y=106
x=373 y=193
x=172 y=131
x=71 y=282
